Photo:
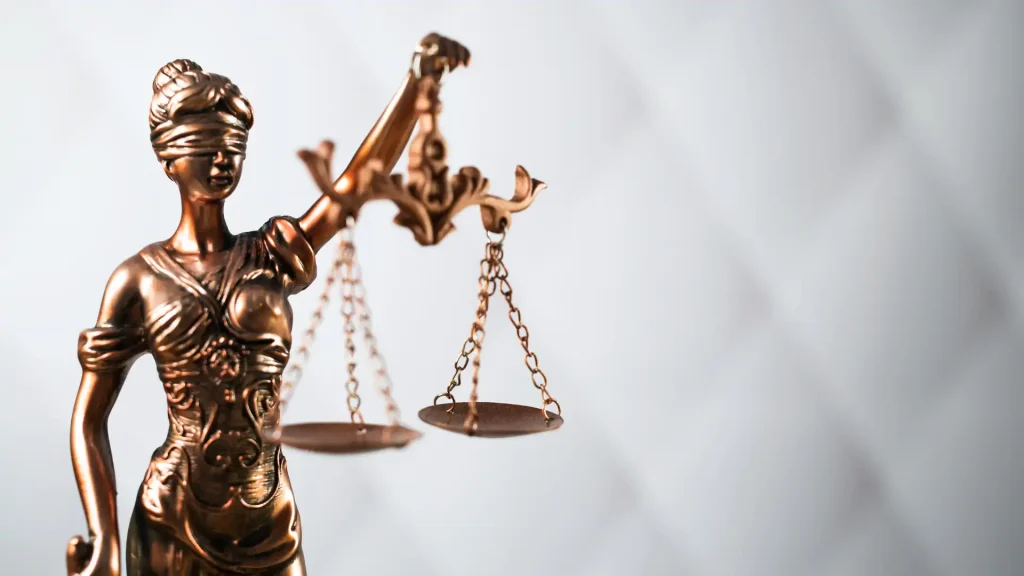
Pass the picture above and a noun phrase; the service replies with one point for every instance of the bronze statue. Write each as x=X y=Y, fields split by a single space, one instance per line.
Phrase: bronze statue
x=212 y=308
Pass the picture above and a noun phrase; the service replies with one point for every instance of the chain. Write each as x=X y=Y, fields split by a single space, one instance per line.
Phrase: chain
x=540 y=380
x=474 y=344
x=348 y=309
x=381 y=377
x=353 y=293
x=294 y=372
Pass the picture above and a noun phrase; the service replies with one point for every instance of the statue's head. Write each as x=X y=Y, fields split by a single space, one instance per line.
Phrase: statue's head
x=199 y=125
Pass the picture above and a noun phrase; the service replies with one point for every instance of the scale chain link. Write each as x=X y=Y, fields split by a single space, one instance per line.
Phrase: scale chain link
x=347 y=268
x=474 y=344
x=295 y=368
x=348 y=310
x=381 y=377
x=539 y=379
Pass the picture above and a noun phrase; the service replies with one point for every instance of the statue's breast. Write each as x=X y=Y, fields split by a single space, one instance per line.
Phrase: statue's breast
x=258 y=311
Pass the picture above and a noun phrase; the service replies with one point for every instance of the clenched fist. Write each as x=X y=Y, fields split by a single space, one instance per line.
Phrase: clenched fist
x=437 y=55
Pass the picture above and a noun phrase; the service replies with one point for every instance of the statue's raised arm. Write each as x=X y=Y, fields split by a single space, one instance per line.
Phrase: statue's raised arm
x=433 y=58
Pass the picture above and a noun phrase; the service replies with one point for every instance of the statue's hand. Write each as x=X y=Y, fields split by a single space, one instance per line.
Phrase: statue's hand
x=92 y=558
x=437 y=55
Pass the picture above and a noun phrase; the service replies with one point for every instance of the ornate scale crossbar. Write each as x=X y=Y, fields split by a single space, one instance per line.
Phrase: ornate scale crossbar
x=428 y=199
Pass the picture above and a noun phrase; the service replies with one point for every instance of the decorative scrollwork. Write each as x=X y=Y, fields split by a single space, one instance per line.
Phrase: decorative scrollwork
x=223 y=360
x=428 y=199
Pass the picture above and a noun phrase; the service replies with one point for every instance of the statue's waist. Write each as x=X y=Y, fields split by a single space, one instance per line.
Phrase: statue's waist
x=199 y=409
x=229 y=520
x=213 y=487
x=226 y=465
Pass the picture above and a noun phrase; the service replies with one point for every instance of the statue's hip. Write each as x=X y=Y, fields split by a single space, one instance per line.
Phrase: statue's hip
x=232 y=524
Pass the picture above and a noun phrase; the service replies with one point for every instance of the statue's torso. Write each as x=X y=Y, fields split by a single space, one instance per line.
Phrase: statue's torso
x=220 y=348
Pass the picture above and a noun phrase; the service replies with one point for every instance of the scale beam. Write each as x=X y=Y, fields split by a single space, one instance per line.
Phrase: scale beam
x=429 y=198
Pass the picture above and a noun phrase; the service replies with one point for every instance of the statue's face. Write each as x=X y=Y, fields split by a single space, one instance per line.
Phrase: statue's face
x=207 y=177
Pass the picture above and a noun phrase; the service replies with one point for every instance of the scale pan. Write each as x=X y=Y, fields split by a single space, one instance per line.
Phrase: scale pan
x=343 y=437
x=494 y=420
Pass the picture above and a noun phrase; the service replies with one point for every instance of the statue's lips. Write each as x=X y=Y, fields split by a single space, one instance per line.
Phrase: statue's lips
x=221 y=180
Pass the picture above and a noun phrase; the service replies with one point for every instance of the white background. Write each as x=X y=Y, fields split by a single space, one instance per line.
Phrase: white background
x=776 y=281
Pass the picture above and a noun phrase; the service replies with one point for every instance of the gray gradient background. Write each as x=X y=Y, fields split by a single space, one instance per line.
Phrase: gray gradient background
x=777 y=281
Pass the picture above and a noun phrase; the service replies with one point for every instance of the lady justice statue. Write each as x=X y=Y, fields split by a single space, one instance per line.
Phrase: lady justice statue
x=212 y=308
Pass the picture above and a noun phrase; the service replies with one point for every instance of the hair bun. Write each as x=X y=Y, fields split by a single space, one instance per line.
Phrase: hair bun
x=172 y=70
